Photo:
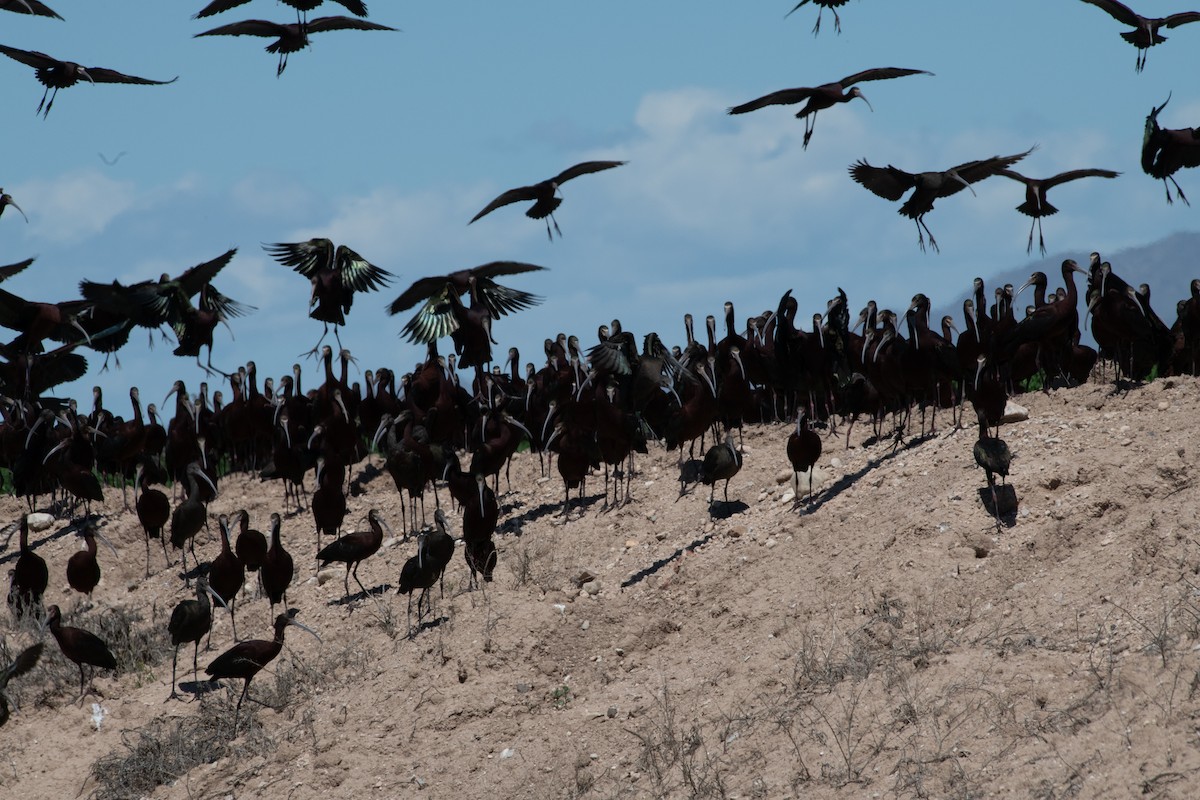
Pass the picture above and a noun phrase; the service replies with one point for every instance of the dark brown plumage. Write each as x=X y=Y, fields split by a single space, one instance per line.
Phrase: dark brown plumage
x=292 y=37
x=824 y=96
x=544 y=193
x=190 y=620
x=80 y=646
x=1145 y=29
x=7 y=200
x=55 y=74
x=245 y=659
x=277 y=567
x=821 y=5
x=32 y=7
x=1037 y=206
x=355 y=548
x=803 y=451
x=30 y=576
x=1165 y=151
x=335 y=276
x=891 y=183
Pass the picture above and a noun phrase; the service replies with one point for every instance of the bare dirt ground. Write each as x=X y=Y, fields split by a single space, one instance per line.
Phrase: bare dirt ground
x=886 y=641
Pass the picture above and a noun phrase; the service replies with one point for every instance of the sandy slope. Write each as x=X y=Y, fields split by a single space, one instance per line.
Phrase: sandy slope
x=885 y=642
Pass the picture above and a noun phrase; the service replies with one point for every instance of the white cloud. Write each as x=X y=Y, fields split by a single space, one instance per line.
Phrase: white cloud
x=75 y=205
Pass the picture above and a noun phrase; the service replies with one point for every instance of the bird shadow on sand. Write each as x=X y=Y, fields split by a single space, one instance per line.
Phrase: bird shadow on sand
x=846 y=481
x=374 y=591
x=51 y=536
x=1006 y=497
x=646 y=572
x=427 y=626
x=721 y=509
x=199 y=688
x=546 y=509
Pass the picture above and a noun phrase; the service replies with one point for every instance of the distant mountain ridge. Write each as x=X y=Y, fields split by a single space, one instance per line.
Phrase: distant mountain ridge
x=1167 y=266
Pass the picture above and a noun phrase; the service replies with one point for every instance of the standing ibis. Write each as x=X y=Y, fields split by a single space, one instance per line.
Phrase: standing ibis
x=190 y=620
x=245 y=659
x=26 y=660
x=80 y=646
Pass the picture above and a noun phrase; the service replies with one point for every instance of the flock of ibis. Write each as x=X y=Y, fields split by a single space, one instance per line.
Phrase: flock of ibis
x=456 y=421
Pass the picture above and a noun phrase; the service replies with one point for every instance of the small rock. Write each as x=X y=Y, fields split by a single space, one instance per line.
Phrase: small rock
x=524 y=688
x=737 y=531
x=328 y=574
x=788 y=496
x=835 y=462
x=1163 y=405
x=612 y=712
x=585 y=625
x=592 y=588
x=660 y=535
x=40 y=521
x=1014 y=412
x=631 y=543
x=783 y=476
x=583 y=577
x=508 y=752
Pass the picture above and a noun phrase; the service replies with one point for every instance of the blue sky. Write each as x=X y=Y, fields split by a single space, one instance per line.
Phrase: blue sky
x=390 y=142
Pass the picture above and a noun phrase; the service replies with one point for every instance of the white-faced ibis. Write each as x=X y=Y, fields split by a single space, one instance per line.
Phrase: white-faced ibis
x=544 y=193
x=436 y=317
x=292 y=37
x=55 y=74
x=824 y=96
x=33 y=7
x=80 y=646
x=335 y=276
x=226 y=575
x=190 y=620
x=821 y=5
x=1036 y=205
x=1165 y=151
x=191 y=515
x=434 y=550
x=891 y=183
x=7 y=200
x=37 y=321
x=30 y=576
x=356 y=7
x=1145 y=29
x=803 y=451
x=245 y=659
x=721 y=462
x=251 y=545
x=83 y=570
x=277 y=567
x=356 y=547
x=153 y=511
x=993 y=455
x=26 y=660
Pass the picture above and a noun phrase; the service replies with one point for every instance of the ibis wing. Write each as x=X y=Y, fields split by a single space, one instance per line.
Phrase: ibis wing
x=511 y=196
x=353 y=6
x=609 y=357
x=29 y=7
x=501 y=300
x=1075 y=174
x=344 y=24
x=218 y=6
x=13 y=310
x=7 y=272
x=307 y=258
x=975 y=171
x=494 y=268
x=420 y=290
x=125 y=301
x=194 y=278
x=435 y=319
x=1118 y=11
x=888 y=182
x=1016 y=176
x=225 y=307
x=103 y=75
x=1182 y=18
x=358 y=273
x=55 y=368
x=31 y=58
x=879 y=74
x=784 y=97
x=584 y=168
x=248 y=27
